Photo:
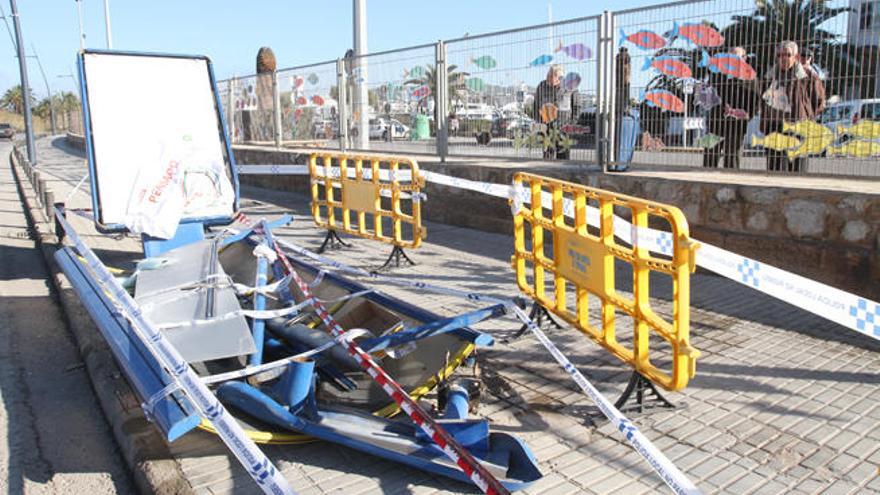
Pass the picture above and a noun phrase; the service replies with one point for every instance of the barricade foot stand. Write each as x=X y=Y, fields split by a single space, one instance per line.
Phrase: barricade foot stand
x=537 y=314
x=395 y=255
x=332 y=241
x=59 y=229
x=647 y=396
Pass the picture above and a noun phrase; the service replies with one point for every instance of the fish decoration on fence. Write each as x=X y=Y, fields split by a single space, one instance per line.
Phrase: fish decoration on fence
x=541 y=60
x=421 y=92
x=708 y=140
x=475 y=84
x=664 y=100
x=296 y=82
x=865 y=129
x=706 y=97
x=816 y=137
x=317 y=100
x=698 y=33
x=416 y=72
x=313 y=79
x=549 y=112
x=857 y=148
x=730 y=65
x=776 y=141
x=669 y=65
x=736 y=113
x=485 y=62
x=577 y=51
x=301 y=100
x=644 y=39
x=571 y=81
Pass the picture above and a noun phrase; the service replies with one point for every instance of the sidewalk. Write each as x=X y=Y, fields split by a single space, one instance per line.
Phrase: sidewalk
x=782 y=402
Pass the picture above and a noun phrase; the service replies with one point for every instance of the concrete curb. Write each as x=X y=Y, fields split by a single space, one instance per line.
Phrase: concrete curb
x=145 y=451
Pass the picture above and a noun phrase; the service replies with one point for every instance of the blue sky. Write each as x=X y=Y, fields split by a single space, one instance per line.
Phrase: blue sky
x=299 y=32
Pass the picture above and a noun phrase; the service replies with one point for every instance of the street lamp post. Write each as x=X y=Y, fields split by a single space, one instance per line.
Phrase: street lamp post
x=82 y=34
x=107 y=24
x=48 y=90
x=25 y=88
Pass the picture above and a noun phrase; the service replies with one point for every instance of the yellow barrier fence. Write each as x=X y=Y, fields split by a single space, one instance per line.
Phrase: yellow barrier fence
x=374 y=197
x=581 y=264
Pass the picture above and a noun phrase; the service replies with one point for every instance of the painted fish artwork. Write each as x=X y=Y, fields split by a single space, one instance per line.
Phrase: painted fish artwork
x=301 y=100
x=776 y=141
x=571 y=81
x=296 y=82
x=736 y=113
x=730 y=65
x=669 y=65
x=865 y=129
x=577 y=51
x=698 y=33
x=317 y=100
x=485 y=62
x=475 y=84
x=858 y=149
x=548 y=113
x=708 y=141
x=421 y=92
x=664 y=100
x=313 y=79
x=644 y=39
x=816 y=137
x=541 y=60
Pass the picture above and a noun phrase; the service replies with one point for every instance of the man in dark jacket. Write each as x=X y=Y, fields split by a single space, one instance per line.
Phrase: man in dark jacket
x=554 y=106
x=786 y=98
x=729 y=119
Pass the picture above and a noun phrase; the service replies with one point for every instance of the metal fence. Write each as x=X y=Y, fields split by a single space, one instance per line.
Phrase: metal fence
x=686 y=84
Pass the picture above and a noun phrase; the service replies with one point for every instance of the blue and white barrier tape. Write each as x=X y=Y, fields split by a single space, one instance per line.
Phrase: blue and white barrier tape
x=670 y=474
x=258 y=466
x=849 y=310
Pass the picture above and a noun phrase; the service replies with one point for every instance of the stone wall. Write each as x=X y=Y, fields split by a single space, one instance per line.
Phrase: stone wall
x=830 y=236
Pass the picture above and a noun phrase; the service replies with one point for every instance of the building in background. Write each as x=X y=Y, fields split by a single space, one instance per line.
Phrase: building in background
x=864 y=28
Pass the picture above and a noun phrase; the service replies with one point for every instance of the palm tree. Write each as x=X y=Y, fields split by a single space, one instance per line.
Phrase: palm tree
x=12 y=100
x=455 y=83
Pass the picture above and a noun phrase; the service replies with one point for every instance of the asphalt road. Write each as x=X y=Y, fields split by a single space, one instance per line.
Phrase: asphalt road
x=53 y=435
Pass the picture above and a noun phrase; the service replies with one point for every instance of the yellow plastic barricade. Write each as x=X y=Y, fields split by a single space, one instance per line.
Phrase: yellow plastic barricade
x=374 y=197
x=576 y=262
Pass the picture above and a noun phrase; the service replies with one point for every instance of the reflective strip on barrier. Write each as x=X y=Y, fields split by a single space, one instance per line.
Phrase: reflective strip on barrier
x=481 y=477
x=362 y=183
x=585 y=260
x=667 y=471
x=258 y=466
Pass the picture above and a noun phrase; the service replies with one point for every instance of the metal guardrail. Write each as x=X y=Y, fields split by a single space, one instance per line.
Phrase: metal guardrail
x=657 y=85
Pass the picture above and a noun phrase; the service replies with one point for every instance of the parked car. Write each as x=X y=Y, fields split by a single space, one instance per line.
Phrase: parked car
x=850 y=112
x=6 y=131
x=381 y=127
x=509 y=126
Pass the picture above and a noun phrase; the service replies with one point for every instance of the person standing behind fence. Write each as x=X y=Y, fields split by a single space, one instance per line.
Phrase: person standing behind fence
x=785 y=98
x=554 y=106
x=729 y=119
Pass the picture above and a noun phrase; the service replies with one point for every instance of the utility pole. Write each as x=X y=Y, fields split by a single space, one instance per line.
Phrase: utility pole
x=82 y=34
x=25 y=88
x=107 y=24
x=361 y=96
x=48 y=90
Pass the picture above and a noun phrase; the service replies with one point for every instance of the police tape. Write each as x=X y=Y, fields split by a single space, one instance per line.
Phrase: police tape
x=258 y=466
x=849 y=310
x=670 y=474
